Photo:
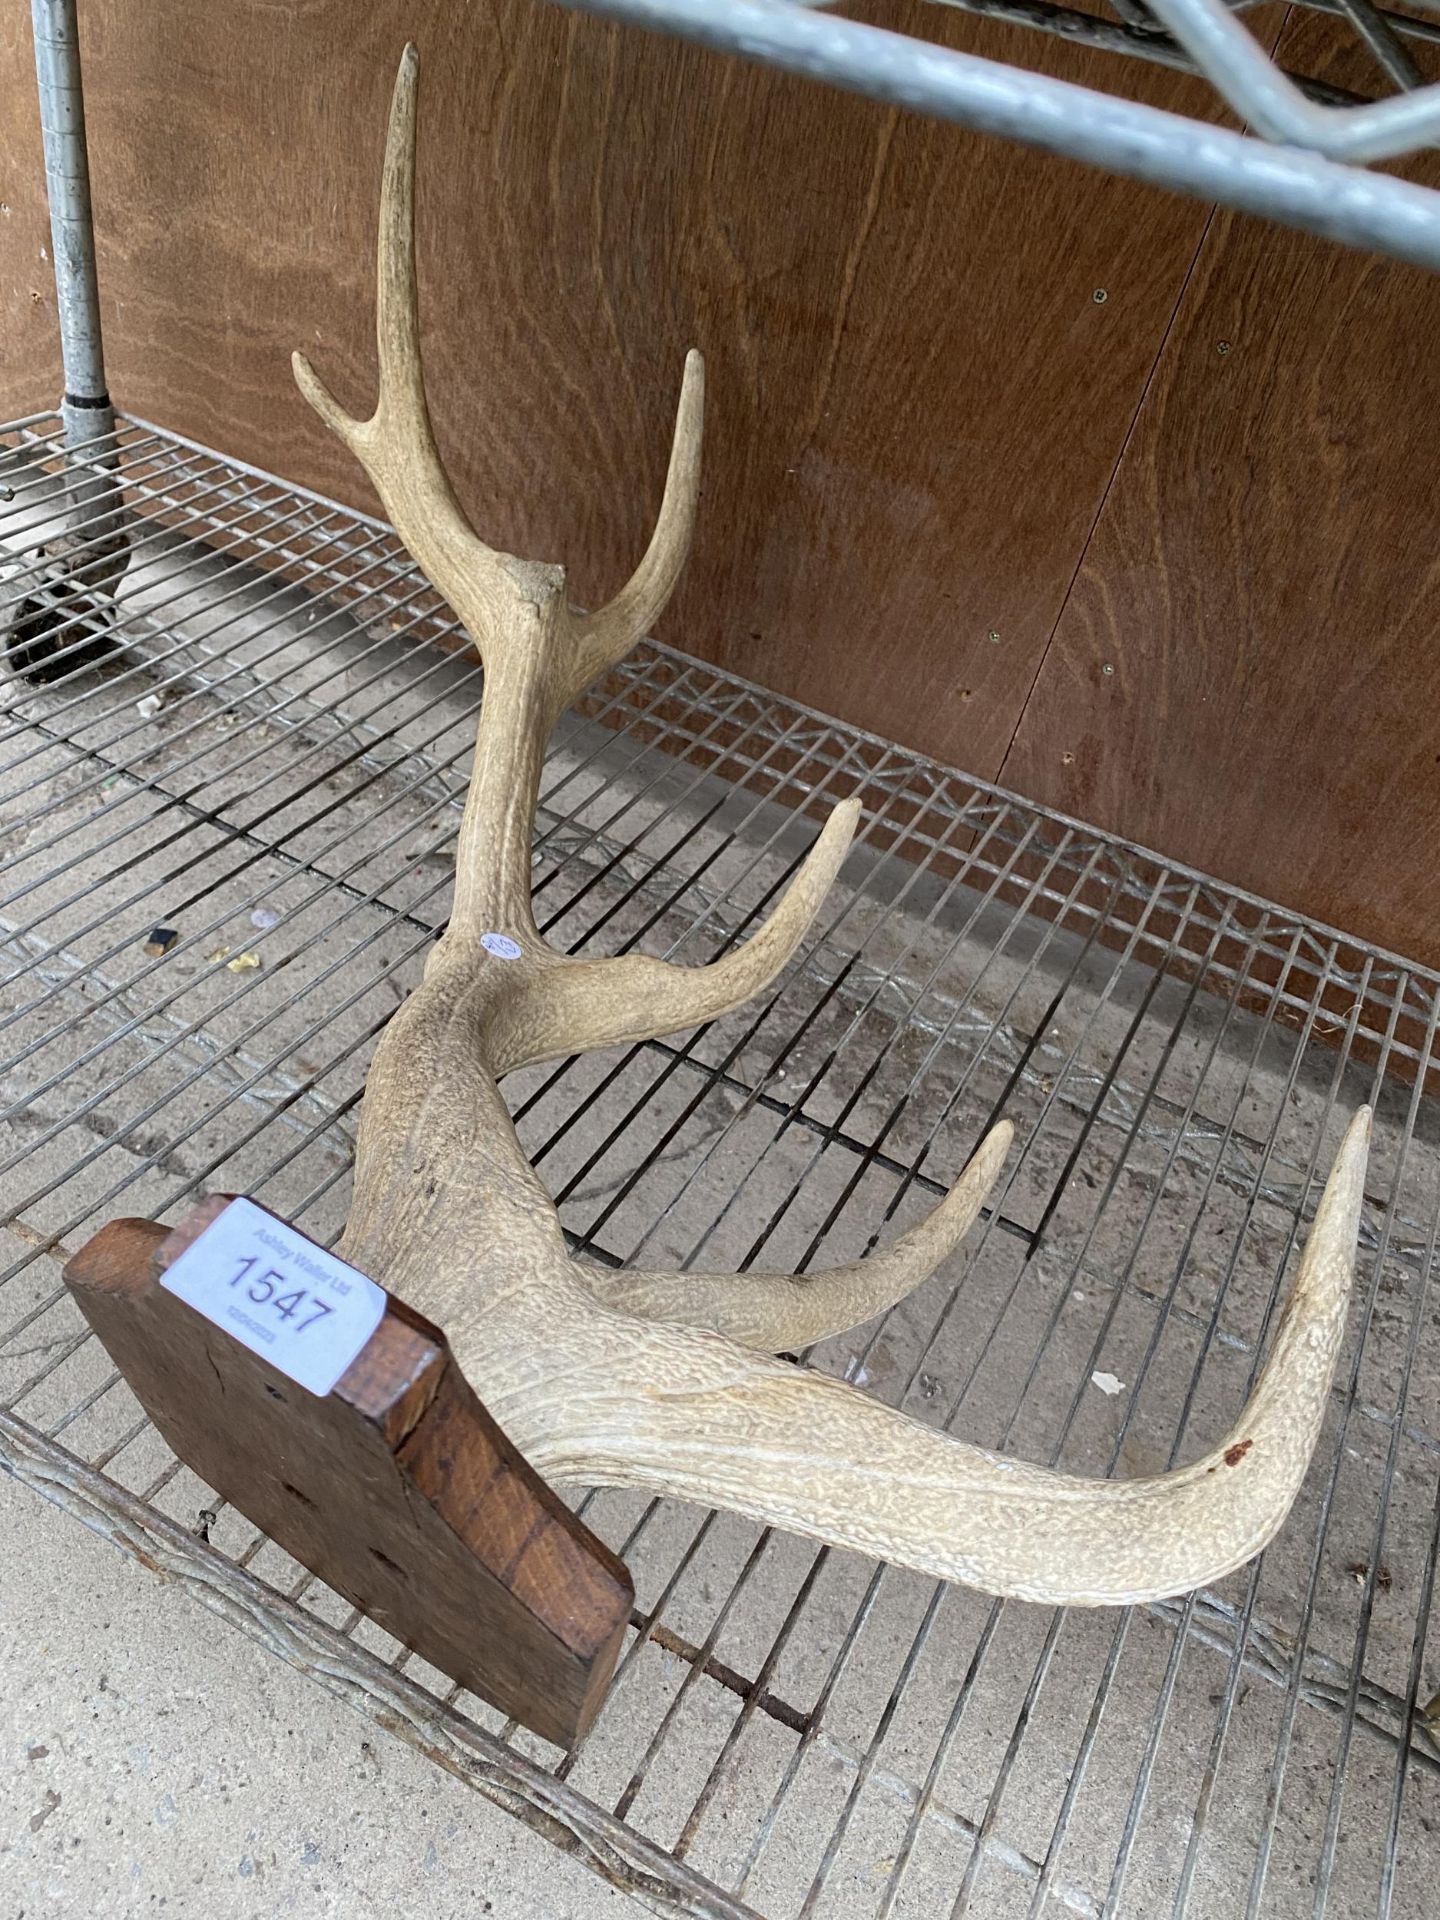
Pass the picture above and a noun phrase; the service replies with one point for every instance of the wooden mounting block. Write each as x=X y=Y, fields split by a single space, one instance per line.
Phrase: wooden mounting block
x=397 y=1488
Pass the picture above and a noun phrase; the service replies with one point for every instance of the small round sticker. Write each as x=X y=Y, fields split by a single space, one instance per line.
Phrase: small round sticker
x=501 y=945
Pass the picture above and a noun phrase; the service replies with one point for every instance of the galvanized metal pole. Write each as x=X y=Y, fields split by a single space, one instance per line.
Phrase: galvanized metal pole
x=88 y=554
x=1288 y=184
x=86 y=407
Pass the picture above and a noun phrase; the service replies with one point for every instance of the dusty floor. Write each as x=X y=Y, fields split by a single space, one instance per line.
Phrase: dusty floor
x=856 y=1726
x=151 y=1761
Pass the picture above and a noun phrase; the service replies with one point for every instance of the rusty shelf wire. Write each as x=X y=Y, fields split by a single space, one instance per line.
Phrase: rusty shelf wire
x=270 y=763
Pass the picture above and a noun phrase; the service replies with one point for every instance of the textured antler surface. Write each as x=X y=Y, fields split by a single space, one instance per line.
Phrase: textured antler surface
x=666 y=1380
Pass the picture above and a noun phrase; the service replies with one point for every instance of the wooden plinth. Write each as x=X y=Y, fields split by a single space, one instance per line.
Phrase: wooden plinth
x=397 y=1488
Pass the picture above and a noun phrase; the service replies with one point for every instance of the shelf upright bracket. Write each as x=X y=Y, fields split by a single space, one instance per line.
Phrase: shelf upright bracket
x=60 y=618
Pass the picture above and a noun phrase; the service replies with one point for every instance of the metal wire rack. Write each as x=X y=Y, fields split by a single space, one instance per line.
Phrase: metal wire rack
x=270 y=763
x=1302 y=159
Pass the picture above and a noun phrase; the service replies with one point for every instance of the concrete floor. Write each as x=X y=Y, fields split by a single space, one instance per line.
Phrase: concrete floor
x=152 y=1760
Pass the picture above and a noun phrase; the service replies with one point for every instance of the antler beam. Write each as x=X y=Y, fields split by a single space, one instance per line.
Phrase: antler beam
x=665 y=1381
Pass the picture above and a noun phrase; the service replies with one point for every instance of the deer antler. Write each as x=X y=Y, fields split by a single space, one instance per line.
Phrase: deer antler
x=663 y=1380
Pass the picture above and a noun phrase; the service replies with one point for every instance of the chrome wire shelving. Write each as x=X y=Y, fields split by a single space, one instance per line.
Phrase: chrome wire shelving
x=1303 y=154
x=268 y=760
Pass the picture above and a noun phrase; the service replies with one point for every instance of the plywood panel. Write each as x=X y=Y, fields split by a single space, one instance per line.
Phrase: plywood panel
x=917 y=403
x=29 y=344
x=1246 y=675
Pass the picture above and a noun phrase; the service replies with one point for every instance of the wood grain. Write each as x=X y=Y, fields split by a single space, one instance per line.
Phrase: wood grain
x=397 y=1488
x=1265 y=586
x=916 y=403
x=30 y=364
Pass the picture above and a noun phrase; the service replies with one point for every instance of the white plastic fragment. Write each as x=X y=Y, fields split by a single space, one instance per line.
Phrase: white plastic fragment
x=149 y=706
x=1107 y=1383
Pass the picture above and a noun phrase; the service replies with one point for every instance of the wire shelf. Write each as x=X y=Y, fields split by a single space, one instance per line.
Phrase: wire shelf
x=271 y=766
x=1305 y=155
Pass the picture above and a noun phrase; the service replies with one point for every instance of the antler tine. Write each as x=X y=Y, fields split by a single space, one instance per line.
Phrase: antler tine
x=585 y=1004
x=695 y=1417
x=605 y=637
x=777 y=1312
x=396 y=445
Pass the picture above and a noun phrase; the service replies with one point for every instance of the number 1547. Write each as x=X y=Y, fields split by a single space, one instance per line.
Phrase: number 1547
x=261 y=1289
